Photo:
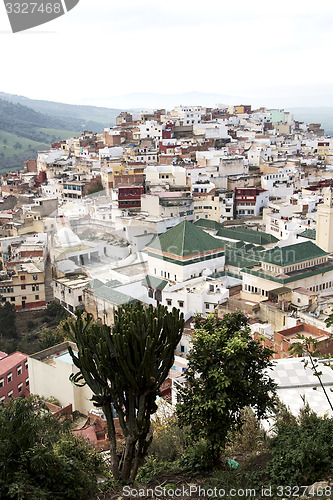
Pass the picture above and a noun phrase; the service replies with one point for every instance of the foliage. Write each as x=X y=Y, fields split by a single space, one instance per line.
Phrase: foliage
x=226 y=373
x=198 y=457
x=36 y=399
x=7 y=321
x=153 y=467
x=55 y=311
x=30 y=324
x=302 y=448
x=40 y=458
x=250 y=438
x=50 y=337
x=168 y=442
x=125 y=369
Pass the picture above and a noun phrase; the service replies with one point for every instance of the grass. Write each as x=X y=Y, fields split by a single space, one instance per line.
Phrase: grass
x=15 y=149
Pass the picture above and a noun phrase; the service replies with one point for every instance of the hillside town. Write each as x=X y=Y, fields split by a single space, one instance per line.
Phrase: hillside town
x=207 y=210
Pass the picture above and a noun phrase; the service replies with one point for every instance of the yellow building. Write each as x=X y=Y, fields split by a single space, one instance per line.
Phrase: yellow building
x=323 y=150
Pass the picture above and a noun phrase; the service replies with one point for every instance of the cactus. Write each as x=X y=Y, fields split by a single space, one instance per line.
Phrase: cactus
x=125 y=366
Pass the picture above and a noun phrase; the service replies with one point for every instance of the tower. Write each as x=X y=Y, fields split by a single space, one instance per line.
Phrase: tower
x=324 y=235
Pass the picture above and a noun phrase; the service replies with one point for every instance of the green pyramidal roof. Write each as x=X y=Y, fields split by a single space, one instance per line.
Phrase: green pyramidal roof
x=291 y=254
x=185 y=239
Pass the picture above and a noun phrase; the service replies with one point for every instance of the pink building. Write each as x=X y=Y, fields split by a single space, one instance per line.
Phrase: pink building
x=14 y=376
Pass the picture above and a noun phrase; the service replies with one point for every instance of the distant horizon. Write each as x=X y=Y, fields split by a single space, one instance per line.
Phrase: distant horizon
x=138 y=100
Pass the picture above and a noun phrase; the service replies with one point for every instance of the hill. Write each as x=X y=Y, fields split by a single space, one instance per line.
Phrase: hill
x=24 y=129
x=89 y=117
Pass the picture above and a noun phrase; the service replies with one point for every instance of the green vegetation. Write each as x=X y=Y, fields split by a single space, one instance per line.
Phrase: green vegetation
x=231 y=366
x=7 y=321
x=40 y=458
x=90 y=117
x=31 y=331
x=302 y=448
x=24 y=131
x=28 y=126
x=125 y=371
x=217 y=417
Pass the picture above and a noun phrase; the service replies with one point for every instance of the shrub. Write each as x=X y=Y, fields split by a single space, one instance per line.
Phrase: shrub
x=30 y=324
x=250 y=438
x=198 y=457
x=168 y=439
x=302 y=448
x=40 y=458
x=154 y=467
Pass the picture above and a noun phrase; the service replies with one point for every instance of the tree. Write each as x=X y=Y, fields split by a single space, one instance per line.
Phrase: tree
x=125 y=367
x=7 y=321
x=40 y=458
x=226 y=373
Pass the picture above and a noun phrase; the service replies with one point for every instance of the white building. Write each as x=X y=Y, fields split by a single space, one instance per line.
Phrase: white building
x=185 y=252
x=151 y=130
x=68 y=291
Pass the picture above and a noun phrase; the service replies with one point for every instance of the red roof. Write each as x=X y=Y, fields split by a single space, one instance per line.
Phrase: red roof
x=10 y=361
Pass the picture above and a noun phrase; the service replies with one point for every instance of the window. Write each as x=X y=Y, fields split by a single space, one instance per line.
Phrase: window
x=12 y=299
x=19 y=370
x=27 y=382
x=23 y=287
x=9 y=377
x=182 y=348
x=169 y=302
x=35 y=277
x=22 y=278
x=2 y=382
x=2 y=399
x=207 y=305
x=10 y=394
x=19 y=387
x=36 y=297
x=180 y=303
x=26 y=365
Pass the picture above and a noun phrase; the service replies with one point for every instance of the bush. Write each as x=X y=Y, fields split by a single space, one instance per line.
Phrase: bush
x=49 y=338
x=154 y=467
x=40 y=458
x=168 y=439
x=251 y=438
x=54 y=312
x=198 y=457
x=31 y=324
x=302 y=448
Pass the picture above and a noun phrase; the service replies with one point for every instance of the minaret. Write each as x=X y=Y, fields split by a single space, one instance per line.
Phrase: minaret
x=324 y=236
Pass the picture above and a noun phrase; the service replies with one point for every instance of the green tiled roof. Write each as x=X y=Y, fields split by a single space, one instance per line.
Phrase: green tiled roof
x=309 y=233
x=94 y=284
x=240 y=258
x=291 y=254
x=111 y=295
x=247 y=235
x=153 y=282
x=208 y=224
x=185 y=239
x=113 y=283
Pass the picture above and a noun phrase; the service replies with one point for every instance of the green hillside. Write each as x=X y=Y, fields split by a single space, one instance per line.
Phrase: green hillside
x=24 y=131
x=90 y=117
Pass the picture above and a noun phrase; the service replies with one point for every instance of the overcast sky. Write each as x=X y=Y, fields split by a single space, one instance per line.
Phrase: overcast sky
x=105 y=48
